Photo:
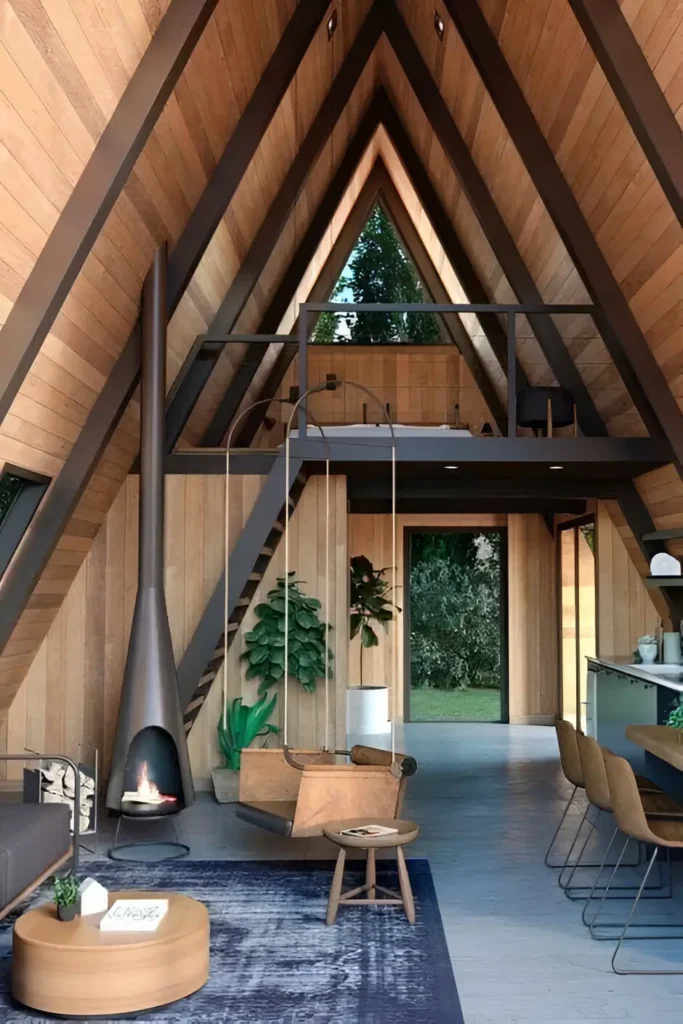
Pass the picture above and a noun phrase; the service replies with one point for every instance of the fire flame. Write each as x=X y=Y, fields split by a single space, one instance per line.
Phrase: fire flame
x=149 y=791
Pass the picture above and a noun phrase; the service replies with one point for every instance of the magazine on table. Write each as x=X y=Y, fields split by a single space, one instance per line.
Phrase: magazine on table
x=365 y=831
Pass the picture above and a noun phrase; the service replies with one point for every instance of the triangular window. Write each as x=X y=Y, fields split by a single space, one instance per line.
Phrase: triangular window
x=378 y=270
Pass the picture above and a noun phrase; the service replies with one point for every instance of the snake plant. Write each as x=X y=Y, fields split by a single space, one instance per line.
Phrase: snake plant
x=243 y=724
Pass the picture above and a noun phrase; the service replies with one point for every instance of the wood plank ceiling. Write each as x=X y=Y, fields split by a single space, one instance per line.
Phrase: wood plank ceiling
x=63 y=67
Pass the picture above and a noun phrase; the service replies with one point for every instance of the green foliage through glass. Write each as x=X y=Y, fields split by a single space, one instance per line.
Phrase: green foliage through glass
x=455 y=610
x=378 y=270
x=10 y=488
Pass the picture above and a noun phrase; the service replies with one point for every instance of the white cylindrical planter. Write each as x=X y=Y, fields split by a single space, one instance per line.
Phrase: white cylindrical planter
x=367 y=711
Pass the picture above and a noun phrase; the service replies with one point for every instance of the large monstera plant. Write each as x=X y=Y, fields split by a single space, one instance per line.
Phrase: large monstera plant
x=308 y=647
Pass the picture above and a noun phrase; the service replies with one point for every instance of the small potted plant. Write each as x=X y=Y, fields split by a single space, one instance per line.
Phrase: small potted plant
x=66 y=897
x=237 y=729
x=367 y=707
x=647 y=648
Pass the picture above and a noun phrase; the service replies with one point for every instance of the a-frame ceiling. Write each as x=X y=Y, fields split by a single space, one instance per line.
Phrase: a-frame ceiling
x=64 y=67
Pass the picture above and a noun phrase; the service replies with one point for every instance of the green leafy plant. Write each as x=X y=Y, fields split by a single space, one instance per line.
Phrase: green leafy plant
x=369 y=603
x=65 y=891
x=647 y=639
x=265 y=653
x=244 y=724
x=675 y=719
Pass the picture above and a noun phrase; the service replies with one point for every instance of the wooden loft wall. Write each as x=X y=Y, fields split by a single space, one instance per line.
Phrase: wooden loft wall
x=532 y=613
x=47 y=97
x=422 y=384
x=68 y=701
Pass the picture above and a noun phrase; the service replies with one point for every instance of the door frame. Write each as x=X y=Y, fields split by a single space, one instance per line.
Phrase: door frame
x=408 y=531
x=574 y=524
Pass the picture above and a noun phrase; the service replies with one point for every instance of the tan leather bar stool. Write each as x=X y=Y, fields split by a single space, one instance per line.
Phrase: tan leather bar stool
x=661 y=832
x=571 y=768
x=597 y=790
x=570 y=760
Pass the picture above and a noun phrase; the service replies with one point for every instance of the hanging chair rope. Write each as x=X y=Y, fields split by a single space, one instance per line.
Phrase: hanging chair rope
x=394 y=555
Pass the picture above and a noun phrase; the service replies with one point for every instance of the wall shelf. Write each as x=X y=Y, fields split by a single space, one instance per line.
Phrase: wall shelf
x=663 y=581
x=676 y=534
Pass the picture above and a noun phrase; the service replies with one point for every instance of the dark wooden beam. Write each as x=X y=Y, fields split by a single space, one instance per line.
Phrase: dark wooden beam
x=307 y=154
x=632 y=80
x=296 y=267
x=445 y=231
x=245 y=139
x=321 y=291
x=96 y=191
x=623 y=338
x=493 y=225
x=453 y=325
x=277 y=216
x=67 y=489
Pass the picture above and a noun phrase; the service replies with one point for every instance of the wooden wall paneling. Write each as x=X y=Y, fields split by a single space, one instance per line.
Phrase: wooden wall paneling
x=533 y=628
x=624 y=608
x=131 y=119
x=422 y=383
x=639 y=94
x=68 y=700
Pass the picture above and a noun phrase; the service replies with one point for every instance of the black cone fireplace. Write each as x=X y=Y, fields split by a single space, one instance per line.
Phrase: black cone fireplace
x=150 y=772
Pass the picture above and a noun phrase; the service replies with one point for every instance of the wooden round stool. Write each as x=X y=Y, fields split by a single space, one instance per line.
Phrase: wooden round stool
x=406 y=832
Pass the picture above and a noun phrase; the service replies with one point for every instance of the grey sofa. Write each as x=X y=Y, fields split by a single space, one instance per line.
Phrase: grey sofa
x=35 y=840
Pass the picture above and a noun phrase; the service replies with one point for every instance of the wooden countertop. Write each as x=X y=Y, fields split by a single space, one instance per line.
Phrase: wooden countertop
x=660 y=740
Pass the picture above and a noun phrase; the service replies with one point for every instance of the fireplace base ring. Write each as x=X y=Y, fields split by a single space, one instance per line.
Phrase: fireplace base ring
x=147 y=851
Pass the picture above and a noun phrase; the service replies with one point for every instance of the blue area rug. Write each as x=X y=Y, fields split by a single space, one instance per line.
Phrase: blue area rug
x=273 y=959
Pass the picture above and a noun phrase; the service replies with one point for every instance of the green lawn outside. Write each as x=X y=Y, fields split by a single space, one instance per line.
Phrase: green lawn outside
x=475 y=705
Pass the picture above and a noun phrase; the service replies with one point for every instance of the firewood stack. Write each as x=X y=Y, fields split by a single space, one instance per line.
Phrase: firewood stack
x=57 y=786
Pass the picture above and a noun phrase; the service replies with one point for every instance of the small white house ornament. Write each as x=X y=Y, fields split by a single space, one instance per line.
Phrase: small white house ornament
x=663 y=564
x=94 y=897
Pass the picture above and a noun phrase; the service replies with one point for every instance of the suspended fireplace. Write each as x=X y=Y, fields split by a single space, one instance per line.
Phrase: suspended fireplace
x=150 y=772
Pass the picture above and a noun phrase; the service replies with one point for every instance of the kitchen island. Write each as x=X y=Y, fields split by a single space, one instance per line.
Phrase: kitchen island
x=619 y=695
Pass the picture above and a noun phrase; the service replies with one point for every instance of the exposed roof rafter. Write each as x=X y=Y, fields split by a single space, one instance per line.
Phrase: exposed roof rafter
x=633 y=82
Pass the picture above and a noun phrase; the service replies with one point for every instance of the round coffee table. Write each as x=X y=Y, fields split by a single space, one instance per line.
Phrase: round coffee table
x=405 y=833
x=75 y=970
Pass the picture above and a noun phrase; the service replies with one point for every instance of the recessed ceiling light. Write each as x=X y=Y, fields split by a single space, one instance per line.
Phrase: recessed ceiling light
x=450 y=467
x=332 y=24
x=439 y=25
x=556 y=467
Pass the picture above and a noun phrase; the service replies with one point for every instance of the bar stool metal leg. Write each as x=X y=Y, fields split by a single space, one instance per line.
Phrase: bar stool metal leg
x=624 y=937
x=546 y=860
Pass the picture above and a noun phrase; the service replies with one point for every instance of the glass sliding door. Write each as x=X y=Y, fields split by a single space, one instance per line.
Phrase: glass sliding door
x=576 y=553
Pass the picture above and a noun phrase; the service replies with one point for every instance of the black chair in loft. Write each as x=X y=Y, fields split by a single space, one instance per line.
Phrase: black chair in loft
x=546 y=409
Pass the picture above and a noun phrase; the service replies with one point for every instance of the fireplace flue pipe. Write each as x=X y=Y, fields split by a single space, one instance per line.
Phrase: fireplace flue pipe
x=149 y=693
